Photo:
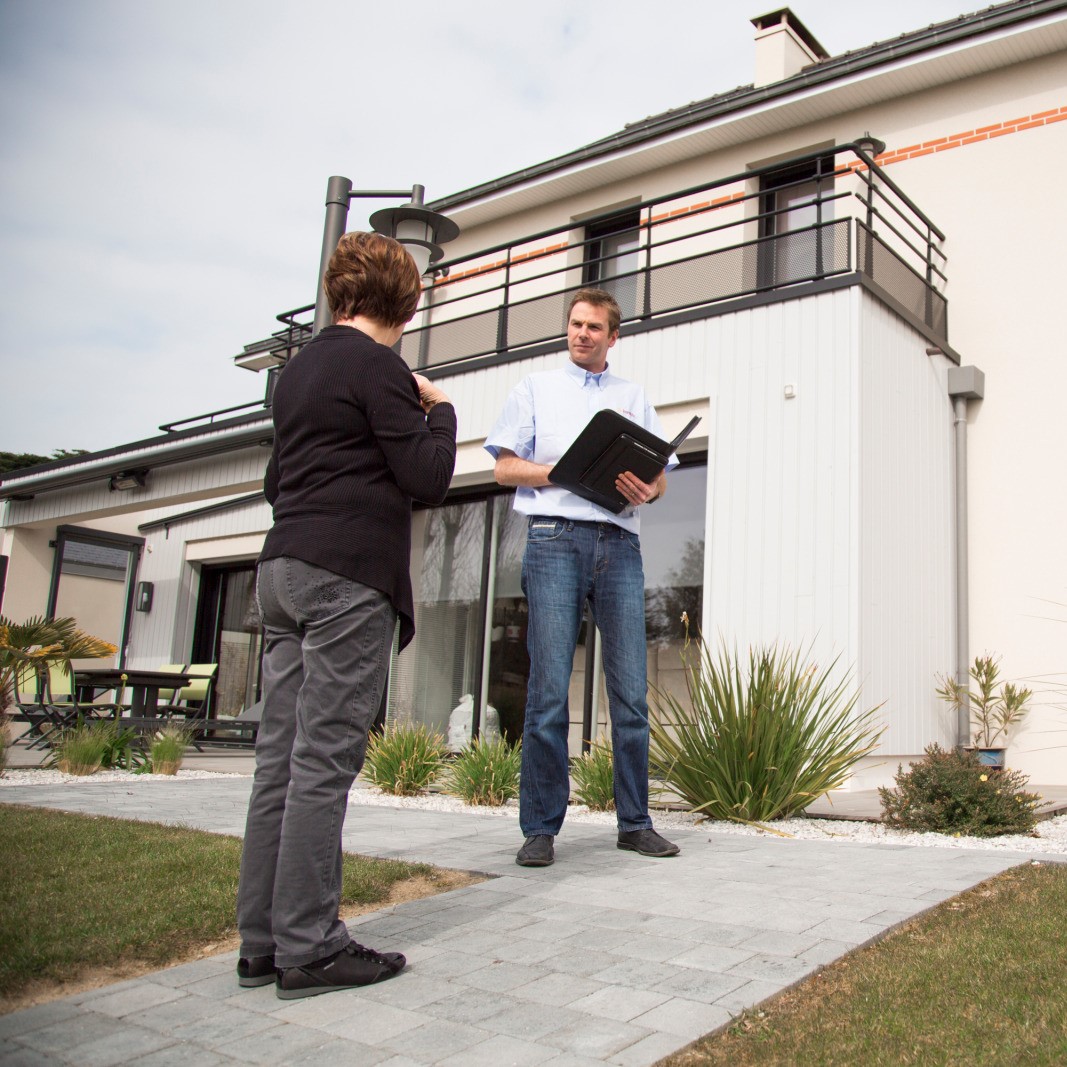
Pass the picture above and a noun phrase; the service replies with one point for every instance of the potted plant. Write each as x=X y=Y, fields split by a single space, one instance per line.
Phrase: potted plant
x=995 y=711
x=168 y=749
x=80 y=749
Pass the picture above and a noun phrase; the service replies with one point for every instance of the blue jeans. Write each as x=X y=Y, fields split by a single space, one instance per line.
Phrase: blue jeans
x=567 y=564
x=327 y=641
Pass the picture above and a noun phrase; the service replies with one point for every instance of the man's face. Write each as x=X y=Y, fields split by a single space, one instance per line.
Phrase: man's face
x=588 y=337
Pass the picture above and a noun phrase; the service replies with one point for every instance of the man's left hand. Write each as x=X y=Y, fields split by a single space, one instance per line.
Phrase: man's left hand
x=635 y=491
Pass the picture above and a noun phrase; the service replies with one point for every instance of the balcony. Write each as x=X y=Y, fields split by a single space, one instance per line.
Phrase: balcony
x=823 y=220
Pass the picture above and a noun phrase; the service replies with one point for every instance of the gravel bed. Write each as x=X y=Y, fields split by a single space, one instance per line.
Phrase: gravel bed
x=1050 y=836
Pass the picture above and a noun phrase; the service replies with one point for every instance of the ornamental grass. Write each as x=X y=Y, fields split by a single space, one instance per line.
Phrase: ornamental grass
x=758 y=740
x=404 y=759
x=486 y=772
x=594 y=776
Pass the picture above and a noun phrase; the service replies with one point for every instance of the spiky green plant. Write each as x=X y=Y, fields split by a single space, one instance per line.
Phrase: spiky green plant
x=404 y=760
x=594 y=776
x=486 y=772
x=759 y=741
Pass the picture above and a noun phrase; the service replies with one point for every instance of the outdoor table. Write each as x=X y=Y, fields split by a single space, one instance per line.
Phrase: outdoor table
x=144 y=686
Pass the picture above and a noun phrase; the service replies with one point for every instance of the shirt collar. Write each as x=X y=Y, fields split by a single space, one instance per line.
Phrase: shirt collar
x=581 y=376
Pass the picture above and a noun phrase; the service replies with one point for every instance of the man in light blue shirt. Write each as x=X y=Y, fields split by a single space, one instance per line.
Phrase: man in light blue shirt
x=578 y=552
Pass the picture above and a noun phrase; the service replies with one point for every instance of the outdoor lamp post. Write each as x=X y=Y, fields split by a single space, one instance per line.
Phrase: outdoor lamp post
x=420 y=230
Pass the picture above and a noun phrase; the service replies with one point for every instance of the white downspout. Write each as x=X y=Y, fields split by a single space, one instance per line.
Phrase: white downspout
x=964 y=383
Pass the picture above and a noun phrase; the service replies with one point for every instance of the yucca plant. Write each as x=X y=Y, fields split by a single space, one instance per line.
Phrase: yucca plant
x=404 y=760
x=761 y=742
x=486 y=772
x=594 y=776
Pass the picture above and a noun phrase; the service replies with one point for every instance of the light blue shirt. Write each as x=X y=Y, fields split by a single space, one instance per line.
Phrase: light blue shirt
x=543 y=415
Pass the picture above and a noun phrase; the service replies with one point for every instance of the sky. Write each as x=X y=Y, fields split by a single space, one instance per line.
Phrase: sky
x=163 y=165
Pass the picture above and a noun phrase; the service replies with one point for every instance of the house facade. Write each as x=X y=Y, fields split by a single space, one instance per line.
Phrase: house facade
x=849 y=270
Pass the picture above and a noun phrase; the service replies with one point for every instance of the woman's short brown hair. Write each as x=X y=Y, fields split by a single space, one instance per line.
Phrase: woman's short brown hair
x=372 y=275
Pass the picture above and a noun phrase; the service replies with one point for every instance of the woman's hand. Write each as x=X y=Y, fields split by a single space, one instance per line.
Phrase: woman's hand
x=429 y=394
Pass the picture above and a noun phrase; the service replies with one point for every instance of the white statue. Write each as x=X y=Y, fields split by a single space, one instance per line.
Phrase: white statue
x=459 y=724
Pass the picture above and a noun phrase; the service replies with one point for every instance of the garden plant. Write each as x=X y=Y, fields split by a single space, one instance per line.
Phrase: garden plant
x=994 y=711
x=952 y=792
x=486 y=772
x=404 y=759
x=594 y=776
x=167 y=749
x=761 y=738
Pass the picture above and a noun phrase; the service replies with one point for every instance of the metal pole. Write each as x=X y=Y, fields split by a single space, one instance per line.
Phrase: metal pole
x=338 y=193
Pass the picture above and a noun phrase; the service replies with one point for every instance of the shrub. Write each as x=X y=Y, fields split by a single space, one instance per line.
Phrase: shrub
x=758 y=744
x=404 y=760
x=594 y=777
x=951 y=792
x=486 y=772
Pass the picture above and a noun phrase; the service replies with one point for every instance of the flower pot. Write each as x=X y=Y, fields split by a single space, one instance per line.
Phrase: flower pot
x=79 y=769
x=991 y=757
x=166 y=766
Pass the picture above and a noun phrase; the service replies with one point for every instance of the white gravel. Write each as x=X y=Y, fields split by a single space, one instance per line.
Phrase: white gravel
x=1050 y=836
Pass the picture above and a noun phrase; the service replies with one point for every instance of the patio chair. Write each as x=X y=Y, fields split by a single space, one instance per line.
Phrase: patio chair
x=43 y=719
x=192 y=701
x=238 y=731
x=60 y=694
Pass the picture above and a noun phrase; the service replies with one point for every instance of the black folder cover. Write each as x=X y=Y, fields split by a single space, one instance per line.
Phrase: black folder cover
x=609 y=445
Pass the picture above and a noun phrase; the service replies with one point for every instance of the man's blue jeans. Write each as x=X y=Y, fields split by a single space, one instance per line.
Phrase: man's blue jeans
x=567 y=564
x=327 y=641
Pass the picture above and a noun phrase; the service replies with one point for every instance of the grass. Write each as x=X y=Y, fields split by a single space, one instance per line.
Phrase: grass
x=79 y=893
x=979 y=980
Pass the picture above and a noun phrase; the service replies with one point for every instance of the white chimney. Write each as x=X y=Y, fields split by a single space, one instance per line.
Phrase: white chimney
x=784 y=46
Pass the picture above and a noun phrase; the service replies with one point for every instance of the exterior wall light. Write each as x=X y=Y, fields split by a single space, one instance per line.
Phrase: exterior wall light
x=127 y=480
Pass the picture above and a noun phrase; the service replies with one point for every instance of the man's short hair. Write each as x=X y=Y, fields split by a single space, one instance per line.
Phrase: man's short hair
x=374 y=276
x=599 y=298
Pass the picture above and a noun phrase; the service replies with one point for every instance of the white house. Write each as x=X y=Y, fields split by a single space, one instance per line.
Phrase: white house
x=849 y=269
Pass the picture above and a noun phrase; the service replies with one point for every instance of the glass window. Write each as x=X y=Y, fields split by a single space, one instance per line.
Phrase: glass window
x=793 y=212
x=441 y=669
x=612 y=259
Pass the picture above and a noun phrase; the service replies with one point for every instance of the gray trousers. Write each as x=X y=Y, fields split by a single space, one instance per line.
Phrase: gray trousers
x=325 y=662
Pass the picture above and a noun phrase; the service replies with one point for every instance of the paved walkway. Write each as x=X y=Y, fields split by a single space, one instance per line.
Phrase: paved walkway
x=607 y=957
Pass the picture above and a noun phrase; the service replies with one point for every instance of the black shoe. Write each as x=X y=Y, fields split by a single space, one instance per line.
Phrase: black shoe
x=256 y=970
x=353 y=966
x=647 y=842
x=536 y=852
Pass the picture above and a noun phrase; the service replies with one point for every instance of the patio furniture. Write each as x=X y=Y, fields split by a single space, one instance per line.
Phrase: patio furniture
x=144 y=686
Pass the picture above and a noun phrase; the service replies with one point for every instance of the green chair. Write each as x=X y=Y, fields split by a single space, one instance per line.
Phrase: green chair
x=192 y=701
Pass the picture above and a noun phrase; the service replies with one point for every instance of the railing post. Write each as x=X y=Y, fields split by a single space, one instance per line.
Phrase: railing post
x=502 y=317
x=646 y=311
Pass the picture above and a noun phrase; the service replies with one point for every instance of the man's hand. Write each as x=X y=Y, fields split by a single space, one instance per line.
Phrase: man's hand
x=637 y=492
x=429 y=394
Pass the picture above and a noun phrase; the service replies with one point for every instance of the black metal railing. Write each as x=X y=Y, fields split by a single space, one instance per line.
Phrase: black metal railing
x=696 y=248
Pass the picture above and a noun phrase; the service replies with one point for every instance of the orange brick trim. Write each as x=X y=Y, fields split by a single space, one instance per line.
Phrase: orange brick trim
x=964 y=137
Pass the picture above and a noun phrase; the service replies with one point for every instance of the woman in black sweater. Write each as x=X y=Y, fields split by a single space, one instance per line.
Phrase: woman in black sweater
x=358 y=437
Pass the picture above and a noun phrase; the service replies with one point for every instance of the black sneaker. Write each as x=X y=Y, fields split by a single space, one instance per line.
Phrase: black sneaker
x=536 y=852
x=353 y=966
x=647 y=842
x=256 y=970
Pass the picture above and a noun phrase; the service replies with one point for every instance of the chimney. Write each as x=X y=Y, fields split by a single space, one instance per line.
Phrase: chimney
x=784 y=46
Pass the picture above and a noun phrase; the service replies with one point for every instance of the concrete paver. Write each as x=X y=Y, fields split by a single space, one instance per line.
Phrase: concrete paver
x=606 y=957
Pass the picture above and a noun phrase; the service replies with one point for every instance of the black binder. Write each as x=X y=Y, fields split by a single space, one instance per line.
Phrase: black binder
x=609 y=445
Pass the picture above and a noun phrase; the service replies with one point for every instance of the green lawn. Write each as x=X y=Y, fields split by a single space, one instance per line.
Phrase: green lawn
x=81 y=892
x=980 y=980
